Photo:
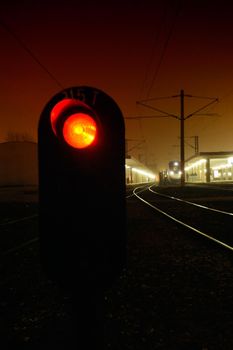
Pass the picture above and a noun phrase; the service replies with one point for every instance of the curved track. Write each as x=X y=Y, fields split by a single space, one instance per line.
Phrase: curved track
x=190 y=215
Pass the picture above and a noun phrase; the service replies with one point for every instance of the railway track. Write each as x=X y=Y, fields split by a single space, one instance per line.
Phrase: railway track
x=28 y=300
x=18 y=233
x=19 y=246
x=172 y=295
x=212 y=223
x=171 y=206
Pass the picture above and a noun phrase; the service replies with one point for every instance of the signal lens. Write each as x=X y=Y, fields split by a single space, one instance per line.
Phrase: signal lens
x=57 y=110
x=80 y=130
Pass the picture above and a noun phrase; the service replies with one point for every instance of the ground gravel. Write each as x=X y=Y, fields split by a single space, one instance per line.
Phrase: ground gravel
x=174 y=293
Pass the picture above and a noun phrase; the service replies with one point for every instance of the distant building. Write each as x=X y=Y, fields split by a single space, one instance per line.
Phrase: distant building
x=18 y=163
x=209 y=167
x=137 y=172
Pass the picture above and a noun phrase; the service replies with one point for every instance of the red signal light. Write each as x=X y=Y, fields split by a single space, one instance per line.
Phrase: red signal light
x=57 y=110
x=80 y=130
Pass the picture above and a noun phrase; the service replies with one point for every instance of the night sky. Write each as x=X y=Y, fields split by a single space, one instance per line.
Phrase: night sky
x=132 y=50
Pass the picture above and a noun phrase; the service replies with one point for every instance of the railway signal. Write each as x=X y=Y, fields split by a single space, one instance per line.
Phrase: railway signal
x=81 y=158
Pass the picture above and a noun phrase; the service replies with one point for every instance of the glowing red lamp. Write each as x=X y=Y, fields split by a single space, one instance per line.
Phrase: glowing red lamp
x=80 y=130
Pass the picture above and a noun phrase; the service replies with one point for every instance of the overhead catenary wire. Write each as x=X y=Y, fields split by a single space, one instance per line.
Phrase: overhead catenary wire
x=170 y=32
x=8 y=29
x=155 y=43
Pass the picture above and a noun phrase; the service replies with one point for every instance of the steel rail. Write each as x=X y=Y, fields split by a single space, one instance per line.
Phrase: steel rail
x=191 y=203
x=181 y=222
x=18 y=220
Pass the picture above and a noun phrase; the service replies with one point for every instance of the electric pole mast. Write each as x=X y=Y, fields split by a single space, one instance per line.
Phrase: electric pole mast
x=181 y=118
x=182 y=156
x=196 y=145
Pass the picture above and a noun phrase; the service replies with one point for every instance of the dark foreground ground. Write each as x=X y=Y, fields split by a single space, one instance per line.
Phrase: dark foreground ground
x=175 y=293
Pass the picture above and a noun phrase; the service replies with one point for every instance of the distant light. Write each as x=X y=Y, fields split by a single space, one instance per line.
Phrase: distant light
x=145 y=173
x=79 y=130
x=195 y=164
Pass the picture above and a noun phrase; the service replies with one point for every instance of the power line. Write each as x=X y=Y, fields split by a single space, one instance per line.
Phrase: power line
x=29 y=51
x=149 y=63
x=178 y=9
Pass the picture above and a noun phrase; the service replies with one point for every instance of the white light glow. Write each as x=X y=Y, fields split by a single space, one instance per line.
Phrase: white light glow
x=196 y=164
x=145 y=173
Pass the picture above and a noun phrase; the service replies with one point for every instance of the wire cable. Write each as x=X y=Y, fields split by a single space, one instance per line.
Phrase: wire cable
x=29 y=51
x=177 y=12
x=150 y=61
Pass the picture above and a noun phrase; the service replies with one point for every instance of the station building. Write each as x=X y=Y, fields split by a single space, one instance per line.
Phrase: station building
x=209 y=167
x=137 y=172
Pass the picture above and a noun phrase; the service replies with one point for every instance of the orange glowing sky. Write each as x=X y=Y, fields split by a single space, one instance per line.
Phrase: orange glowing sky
x=132 y=50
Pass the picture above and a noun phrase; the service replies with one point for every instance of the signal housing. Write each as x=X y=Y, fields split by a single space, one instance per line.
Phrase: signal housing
x=82 y=217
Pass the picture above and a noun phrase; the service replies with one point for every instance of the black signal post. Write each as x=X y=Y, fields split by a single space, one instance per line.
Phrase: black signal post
x=82 y=217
